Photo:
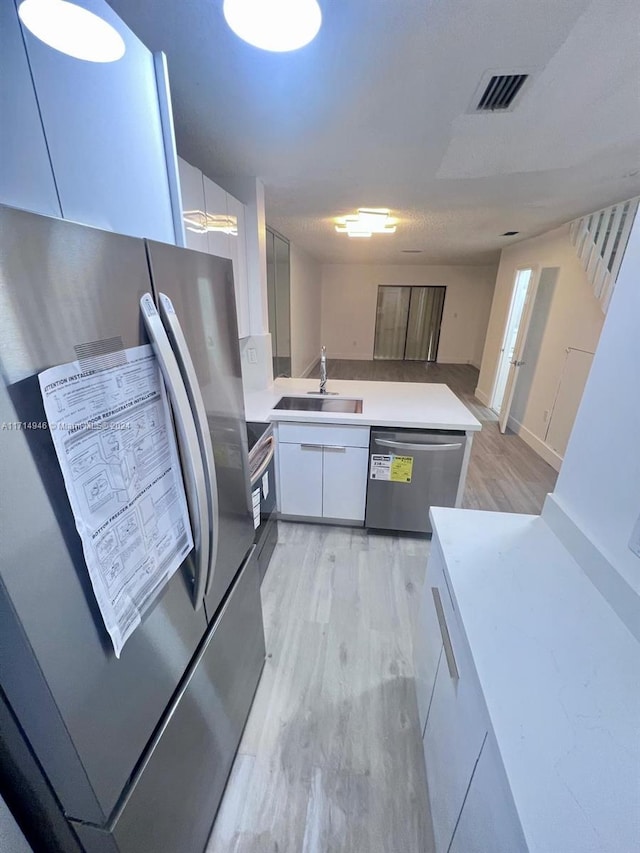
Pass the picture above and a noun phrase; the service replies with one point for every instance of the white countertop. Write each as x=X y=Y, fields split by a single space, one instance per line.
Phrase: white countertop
x=397 y=404
x=561 y=679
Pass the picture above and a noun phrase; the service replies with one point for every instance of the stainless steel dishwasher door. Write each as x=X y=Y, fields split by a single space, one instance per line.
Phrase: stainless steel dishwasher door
x=409 y=472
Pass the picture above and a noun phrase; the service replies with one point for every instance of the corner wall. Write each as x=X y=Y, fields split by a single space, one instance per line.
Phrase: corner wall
x=574 y=319
x=349 y=298
x=306 y=302
x=598 y=490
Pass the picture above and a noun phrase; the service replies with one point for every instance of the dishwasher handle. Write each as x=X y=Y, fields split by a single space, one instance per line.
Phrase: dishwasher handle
x=402 y=445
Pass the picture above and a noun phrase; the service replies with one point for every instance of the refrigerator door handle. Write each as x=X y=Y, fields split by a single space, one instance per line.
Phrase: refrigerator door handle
x=181 y=349
x=188 y=441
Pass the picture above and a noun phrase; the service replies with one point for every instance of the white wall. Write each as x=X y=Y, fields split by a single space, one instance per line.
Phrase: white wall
x=350 y=291
x=574 y=319
x=599 y=485
x=306 y=303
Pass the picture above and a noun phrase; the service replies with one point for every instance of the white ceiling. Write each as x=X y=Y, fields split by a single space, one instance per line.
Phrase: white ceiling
x=376 y=113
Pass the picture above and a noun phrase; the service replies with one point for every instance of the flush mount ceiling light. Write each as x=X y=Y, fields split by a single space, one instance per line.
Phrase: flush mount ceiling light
x=72 y=30
x=200 y=222
x=276 y=25
x=366 y=222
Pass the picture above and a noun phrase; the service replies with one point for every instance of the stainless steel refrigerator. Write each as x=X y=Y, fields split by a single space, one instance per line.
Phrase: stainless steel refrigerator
x=96 y=753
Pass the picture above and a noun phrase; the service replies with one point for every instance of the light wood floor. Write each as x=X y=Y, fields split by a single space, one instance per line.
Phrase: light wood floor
x=331 y=759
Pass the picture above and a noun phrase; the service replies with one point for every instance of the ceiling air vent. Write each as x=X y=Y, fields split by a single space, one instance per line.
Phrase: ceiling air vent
x=500 y=92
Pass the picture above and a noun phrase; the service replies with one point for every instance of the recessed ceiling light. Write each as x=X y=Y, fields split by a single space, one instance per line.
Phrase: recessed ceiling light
x=509 y=233
x=276 y=25
x=367 y=221
x=72 y=30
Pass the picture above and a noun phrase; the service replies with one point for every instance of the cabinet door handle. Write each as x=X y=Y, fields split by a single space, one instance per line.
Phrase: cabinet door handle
x=311 y=447
x=335 y=448
x=444 y=631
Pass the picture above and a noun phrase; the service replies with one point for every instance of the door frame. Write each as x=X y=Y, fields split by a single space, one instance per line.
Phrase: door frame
x=521 y=341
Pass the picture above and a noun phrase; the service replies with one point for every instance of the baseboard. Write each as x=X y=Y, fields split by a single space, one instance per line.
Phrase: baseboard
x=484 y=398
x=310 y=368
x=350 y=356
x=543 y=450
x=600 y=571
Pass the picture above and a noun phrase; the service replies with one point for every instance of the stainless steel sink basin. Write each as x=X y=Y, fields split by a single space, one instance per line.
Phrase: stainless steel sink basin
x=320 y=404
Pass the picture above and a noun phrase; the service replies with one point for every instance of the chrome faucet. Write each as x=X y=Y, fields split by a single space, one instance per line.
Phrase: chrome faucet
x=323 y=370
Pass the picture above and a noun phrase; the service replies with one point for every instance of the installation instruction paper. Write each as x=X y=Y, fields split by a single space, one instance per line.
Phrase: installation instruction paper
x=113 y=436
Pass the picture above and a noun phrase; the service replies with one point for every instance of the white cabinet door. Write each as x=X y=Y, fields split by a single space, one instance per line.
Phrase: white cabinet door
x=105 y=137
x=344 y=482
x=457 y=722
x=215 y=200
x=300 y=482
x=26 y=179
x=427 y=646
x=193 y=207
x=238 y=248
x=489 y=821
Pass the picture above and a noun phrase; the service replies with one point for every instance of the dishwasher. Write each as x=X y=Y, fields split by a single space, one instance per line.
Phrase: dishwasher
x=409 y=472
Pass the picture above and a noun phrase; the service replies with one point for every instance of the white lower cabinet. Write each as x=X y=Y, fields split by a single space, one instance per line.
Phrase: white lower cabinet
x=323 y=471
x=300 y=486
x=427 y=644
x=471 y=805
x=344 y=482
x=488 y=821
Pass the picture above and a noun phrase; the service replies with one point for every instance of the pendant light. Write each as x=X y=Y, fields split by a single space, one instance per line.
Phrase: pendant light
x=71 y=29
x=275 y=25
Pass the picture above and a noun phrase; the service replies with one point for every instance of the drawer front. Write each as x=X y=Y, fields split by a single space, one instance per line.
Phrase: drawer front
x=173 y=803
x=335 y=436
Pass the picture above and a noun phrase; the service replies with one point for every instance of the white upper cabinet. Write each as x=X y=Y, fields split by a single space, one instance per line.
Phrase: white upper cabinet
x=26 y=178
x=215 y=222
x=215 y=202
x=192 y=193
x=238 y=249
x=105 y=136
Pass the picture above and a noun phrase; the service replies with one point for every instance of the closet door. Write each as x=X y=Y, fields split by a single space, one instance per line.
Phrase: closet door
x=423 y=326
x=391 y=322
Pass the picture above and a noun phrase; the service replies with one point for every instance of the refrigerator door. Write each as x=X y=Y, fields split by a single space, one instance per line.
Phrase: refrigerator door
x=174 y=798
x=200 y=288
x=86 y=715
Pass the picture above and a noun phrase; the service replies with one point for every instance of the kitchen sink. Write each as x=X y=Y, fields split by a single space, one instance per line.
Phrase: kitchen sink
x=320 y=404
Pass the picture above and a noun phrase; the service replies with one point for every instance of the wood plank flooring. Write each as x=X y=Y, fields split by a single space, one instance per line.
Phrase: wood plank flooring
x=331 y=759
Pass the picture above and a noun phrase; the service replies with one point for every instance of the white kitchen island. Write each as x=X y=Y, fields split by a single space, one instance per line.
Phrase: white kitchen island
x=323 y=457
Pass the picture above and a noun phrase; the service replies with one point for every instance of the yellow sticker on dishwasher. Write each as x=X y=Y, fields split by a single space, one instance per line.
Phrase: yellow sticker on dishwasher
x=401 y=469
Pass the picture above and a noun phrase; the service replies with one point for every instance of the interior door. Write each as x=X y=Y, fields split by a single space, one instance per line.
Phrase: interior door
x=423 y=325
x=392 y=312
x=518 y=350
x=87 y=715
x=200 y=287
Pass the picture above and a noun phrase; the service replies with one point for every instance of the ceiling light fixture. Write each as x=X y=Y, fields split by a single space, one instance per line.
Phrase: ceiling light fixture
x=366 y=222
x=200 y=222
x=275 y=25
x=72 y=30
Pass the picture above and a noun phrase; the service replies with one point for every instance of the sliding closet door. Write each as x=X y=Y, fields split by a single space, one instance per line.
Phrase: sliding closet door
x=391 y=322
x=423 y=327
x=408 y=322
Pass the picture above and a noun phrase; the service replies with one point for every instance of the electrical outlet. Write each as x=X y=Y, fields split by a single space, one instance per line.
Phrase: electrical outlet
x=252 y=358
